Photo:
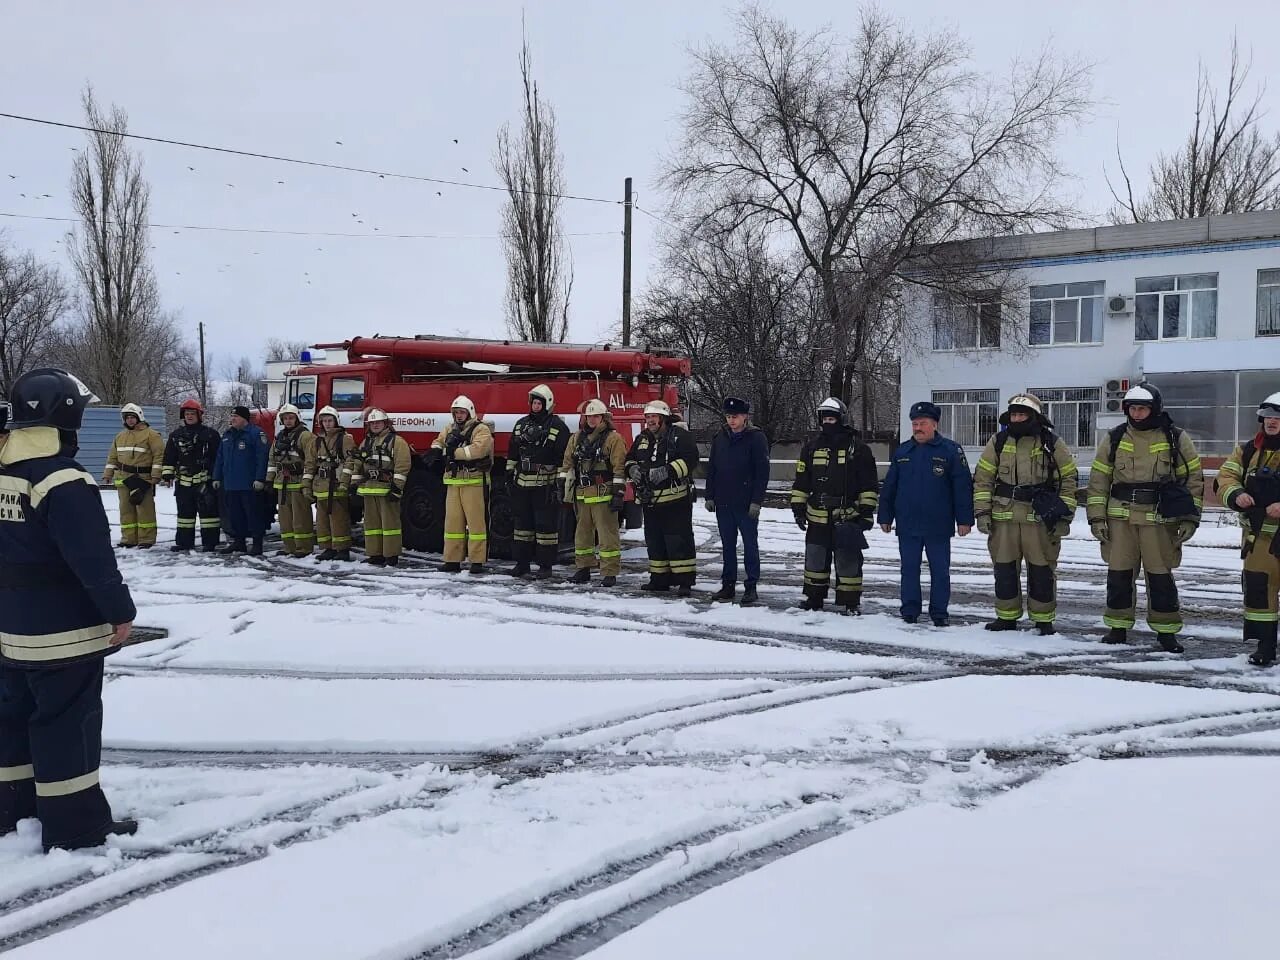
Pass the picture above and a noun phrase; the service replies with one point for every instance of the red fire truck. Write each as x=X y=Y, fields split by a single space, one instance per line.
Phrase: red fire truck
x=414 y=379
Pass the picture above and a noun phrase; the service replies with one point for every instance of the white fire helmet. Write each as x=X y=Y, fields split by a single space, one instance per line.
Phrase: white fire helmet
x=594 y=408
x=1269 y=407
x=543 y=393
x=327 y=411
x=657 y=406
x=1028 y=402
x=131 y=410
x=463 y=403
x=288 y=408
x=374 y=414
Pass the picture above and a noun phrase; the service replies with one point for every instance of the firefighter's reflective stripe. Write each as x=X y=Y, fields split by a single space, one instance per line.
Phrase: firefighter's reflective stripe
x=36 y=648
x=64 y=788
x=463 y=481
x=131 y=449
x=17 y=774
x=38 y=491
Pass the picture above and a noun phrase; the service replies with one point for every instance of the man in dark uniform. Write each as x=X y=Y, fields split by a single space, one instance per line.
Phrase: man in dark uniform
x=537 y=448
x=661 y=464
x=189 y=456
x=63 y=607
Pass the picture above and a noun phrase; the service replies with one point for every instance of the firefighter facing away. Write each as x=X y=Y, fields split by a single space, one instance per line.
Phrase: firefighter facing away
x=63 y=608
x=595 y=486
x=1146 y=488
x=137 y=455
x=378 y=472
x=534 y=458
x=189 y=456
x=333 y=509
x=1250 y=485
x=1024 y=495
x=466 y=451
x=291 y=470
x=834 y=499
x=660 y=464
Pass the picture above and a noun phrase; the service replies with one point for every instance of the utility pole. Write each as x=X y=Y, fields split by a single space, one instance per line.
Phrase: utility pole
x=204 y=388
x=626 y=263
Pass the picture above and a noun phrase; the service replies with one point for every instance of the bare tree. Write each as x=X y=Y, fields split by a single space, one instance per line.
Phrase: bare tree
x=124 y=344
x=866 y=154
x=539 y=277
x=1225 y=165
x=280 y=349
x=33 y=299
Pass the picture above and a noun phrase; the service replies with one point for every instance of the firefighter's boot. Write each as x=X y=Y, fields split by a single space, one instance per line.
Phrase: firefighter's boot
x=117 y=828
x=450 y=567
x=684 y=590
x=328 y=554
x=391 y=561
x=581 y=575
x=256 y=549
x=1169 y=643
x=521 y=569
x=177 y=549
x=477 y=569
x=609 y=582
x=342 y=556
x=1000 y=624
x=233 y=546
x=811 y=603
x=1046 y=629
x=376 y=561
x=1116 y=635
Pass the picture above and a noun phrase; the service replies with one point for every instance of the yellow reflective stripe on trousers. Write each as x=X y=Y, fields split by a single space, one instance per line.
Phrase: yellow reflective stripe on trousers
x=608 y=554
x=34 y=648
x=455 y=536
x=463 y=482
x=594 y=499
x=15 y=774
x=64 y=788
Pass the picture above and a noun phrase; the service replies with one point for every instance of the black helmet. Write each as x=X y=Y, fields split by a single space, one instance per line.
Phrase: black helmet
x=1144 y=394
x=48 y=397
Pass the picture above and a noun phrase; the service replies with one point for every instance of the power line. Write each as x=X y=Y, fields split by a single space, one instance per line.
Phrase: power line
x=310 y=233
x=305 y=163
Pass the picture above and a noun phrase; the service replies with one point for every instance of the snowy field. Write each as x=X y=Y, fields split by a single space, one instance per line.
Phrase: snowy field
x=330 y=761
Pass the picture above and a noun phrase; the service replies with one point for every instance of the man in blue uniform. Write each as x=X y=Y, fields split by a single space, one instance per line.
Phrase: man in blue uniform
x=63 y=608
x=240 y=474
x=928 y=493
x=737 y=479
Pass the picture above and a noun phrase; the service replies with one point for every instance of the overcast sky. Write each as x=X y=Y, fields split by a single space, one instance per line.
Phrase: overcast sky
x=398 y=83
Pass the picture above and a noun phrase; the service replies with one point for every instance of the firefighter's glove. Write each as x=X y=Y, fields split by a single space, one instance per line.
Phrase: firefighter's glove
x=801 y=515
x=1185 y=531
x=618 y=500
x=710 y=505
x=753 y=511
x=259 y=486
x=634 y=472
x=1101 y=530
x=659 y=475
x=984 y=524
x=309 y=494
x=395 y=493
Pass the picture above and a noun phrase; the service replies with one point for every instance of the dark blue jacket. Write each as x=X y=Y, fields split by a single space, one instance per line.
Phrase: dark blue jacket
x=242 y=458
x=61 y=593
x=929 y=490
x=738 y=468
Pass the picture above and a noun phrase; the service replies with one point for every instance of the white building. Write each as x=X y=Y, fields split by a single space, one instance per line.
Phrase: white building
x=1192 y=305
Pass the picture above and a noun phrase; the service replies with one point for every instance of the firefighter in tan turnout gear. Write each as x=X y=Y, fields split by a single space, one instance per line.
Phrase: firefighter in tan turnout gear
x=1249 y=483
x=378 y=472
x=333 y=510
x=595 y=485
x=291 y=469
x=135 y=465
x=1024 y=495
x=465 y=450
x=1146 y=489
x=661 y=464
x=533 y=471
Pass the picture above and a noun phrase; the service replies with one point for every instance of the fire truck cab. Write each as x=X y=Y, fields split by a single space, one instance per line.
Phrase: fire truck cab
x=415 y=379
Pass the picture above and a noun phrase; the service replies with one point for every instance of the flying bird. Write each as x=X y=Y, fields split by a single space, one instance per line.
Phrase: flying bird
x=465 y=170
x=338 y=142
x=439 y=194
x=191 y=168
x=455 y=140
x=13 y=176
x=232 y=185
x=22 y=194
x=279 y=181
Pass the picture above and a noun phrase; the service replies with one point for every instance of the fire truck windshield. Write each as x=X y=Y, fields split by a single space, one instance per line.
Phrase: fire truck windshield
x=302 y=392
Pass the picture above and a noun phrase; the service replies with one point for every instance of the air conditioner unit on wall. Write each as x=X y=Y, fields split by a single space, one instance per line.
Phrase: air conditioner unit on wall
x=1119 y=304
x=1113 y=392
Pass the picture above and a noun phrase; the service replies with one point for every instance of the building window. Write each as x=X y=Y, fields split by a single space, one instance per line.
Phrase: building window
x=1268 y=303
x=1074 y=412
x=969 y=417
x=1176 y=308
x=1066 y=313
x=966 y=323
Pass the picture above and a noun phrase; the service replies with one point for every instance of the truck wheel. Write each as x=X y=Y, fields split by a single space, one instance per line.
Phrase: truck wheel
x=422 y=511
x=502 y=522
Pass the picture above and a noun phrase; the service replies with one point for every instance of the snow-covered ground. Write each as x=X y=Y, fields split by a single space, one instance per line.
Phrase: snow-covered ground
x=333 y=761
